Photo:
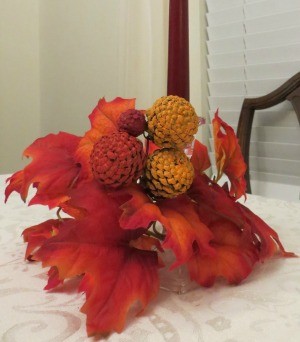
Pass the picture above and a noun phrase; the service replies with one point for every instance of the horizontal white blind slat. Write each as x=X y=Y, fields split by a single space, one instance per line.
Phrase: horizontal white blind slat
x=272 y=38
x=282 y=115
x=254 y=72
x=272 y=150
x=266 y=55
x=287 y=36
x=226 y=45
x=277 y=178
x=226 y=60
x=275 y=150
x=275 y=54
x=265 y=23
x=285 y=135
x=271 y=22
x=227 y=88
x=225 y=102
x=217 y=5
x=273 y=165
x=263 y=86
x=251 y=88
x=226 y=31
x=226 y=16
x=272 y=70
x=261 y=8
x=227 y=74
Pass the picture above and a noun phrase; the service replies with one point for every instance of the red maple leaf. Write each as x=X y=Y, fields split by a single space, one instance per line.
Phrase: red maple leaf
x=233 y=259
x=240 y=238
x=52 y=170
x=209 y=241
x=117 y=274
x=103 y=120
x=200 y=157
x=229 y=158
x=178 y=216
x=36 y=235
x=269 y=242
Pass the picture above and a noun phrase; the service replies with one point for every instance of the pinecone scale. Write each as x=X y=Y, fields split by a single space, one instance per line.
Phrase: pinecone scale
x=172 y=122
x=169 y=173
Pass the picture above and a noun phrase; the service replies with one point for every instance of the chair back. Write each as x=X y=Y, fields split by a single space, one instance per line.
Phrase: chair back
x=290 y=90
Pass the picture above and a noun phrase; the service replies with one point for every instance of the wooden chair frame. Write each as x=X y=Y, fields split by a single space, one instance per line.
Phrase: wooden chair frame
x=290 y=91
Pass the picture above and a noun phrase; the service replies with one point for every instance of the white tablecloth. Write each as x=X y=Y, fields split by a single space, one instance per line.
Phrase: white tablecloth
x=266 y=307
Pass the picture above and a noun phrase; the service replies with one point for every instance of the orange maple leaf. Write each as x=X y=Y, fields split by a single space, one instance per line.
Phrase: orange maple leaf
x=36 y=235
x=240 y=238
x=179 y=218
x=233 y=259
x=52 y=170
x=103 y=120
x=200 y=157
x=229 y=158
x=117 y=275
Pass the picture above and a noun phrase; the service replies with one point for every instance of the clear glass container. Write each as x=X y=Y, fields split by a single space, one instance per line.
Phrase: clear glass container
x=178 y=279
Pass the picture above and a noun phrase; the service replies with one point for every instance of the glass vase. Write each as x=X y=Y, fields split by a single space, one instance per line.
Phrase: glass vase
x=178 y=279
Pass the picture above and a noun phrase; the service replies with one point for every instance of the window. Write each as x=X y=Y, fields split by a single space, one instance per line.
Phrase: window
x=254 y=47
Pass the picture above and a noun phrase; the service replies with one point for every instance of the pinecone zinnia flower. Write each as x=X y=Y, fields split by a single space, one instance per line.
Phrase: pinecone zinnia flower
x=172 y=122
x=169 y=173
x=117 y=159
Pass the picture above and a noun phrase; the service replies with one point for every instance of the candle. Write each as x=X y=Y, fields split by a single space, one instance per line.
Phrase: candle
x=178 y=54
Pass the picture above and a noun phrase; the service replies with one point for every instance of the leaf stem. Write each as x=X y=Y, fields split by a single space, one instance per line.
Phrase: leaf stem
x=58 y=214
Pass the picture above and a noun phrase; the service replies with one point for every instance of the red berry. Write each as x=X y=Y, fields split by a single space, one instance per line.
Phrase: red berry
x=132 y=121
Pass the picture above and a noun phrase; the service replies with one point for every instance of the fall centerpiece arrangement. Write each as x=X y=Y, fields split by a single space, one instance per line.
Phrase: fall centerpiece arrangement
x=110 y=189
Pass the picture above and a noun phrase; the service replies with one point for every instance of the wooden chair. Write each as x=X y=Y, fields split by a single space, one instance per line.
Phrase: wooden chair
x=290 y=91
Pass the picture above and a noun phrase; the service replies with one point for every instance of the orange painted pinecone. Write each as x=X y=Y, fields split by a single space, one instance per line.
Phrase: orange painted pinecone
x=172 y=122
x=117 y=159
x=169 y=173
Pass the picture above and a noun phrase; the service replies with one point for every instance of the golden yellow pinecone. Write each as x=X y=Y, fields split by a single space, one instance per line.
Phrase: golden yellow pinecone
x=169 y=173
x=172 y=122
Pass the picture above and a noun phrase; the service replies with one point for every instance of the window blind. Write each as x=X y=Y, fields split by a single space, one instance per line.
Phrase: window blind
x=253 y=47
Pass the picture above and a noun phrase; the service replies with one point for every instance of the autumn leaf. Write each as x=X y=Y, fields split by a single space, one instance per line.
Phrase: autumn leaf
x=53 y=278
x=151 y=147
x=52 y=170
x=36 y=235
x=229 y=158
x=138 y=211
x=179 y=218
x=184 y=229
x=117 y=274
x=240 y=238
x=200 y=158
x=233 y=259
x=103 y=122
x=213 y=201
x=269 y=243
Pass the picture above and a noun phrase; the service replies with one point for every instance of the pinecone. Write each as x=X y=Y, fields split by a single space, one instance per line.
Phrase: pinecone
x=172 y=122
x=132 y=121
x=169 y=173
x=117 y=159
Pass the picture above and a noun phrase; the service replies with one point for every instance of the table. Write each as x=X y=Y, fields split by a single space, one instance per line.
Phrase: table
x=266 y=307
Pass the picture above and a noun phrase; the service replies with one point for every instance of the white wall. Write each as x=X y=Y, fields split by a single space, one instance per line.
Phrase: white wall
x=90 y=49
x=61 y=56
x=198 y=63
x=79 y=60
x=19 y=80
